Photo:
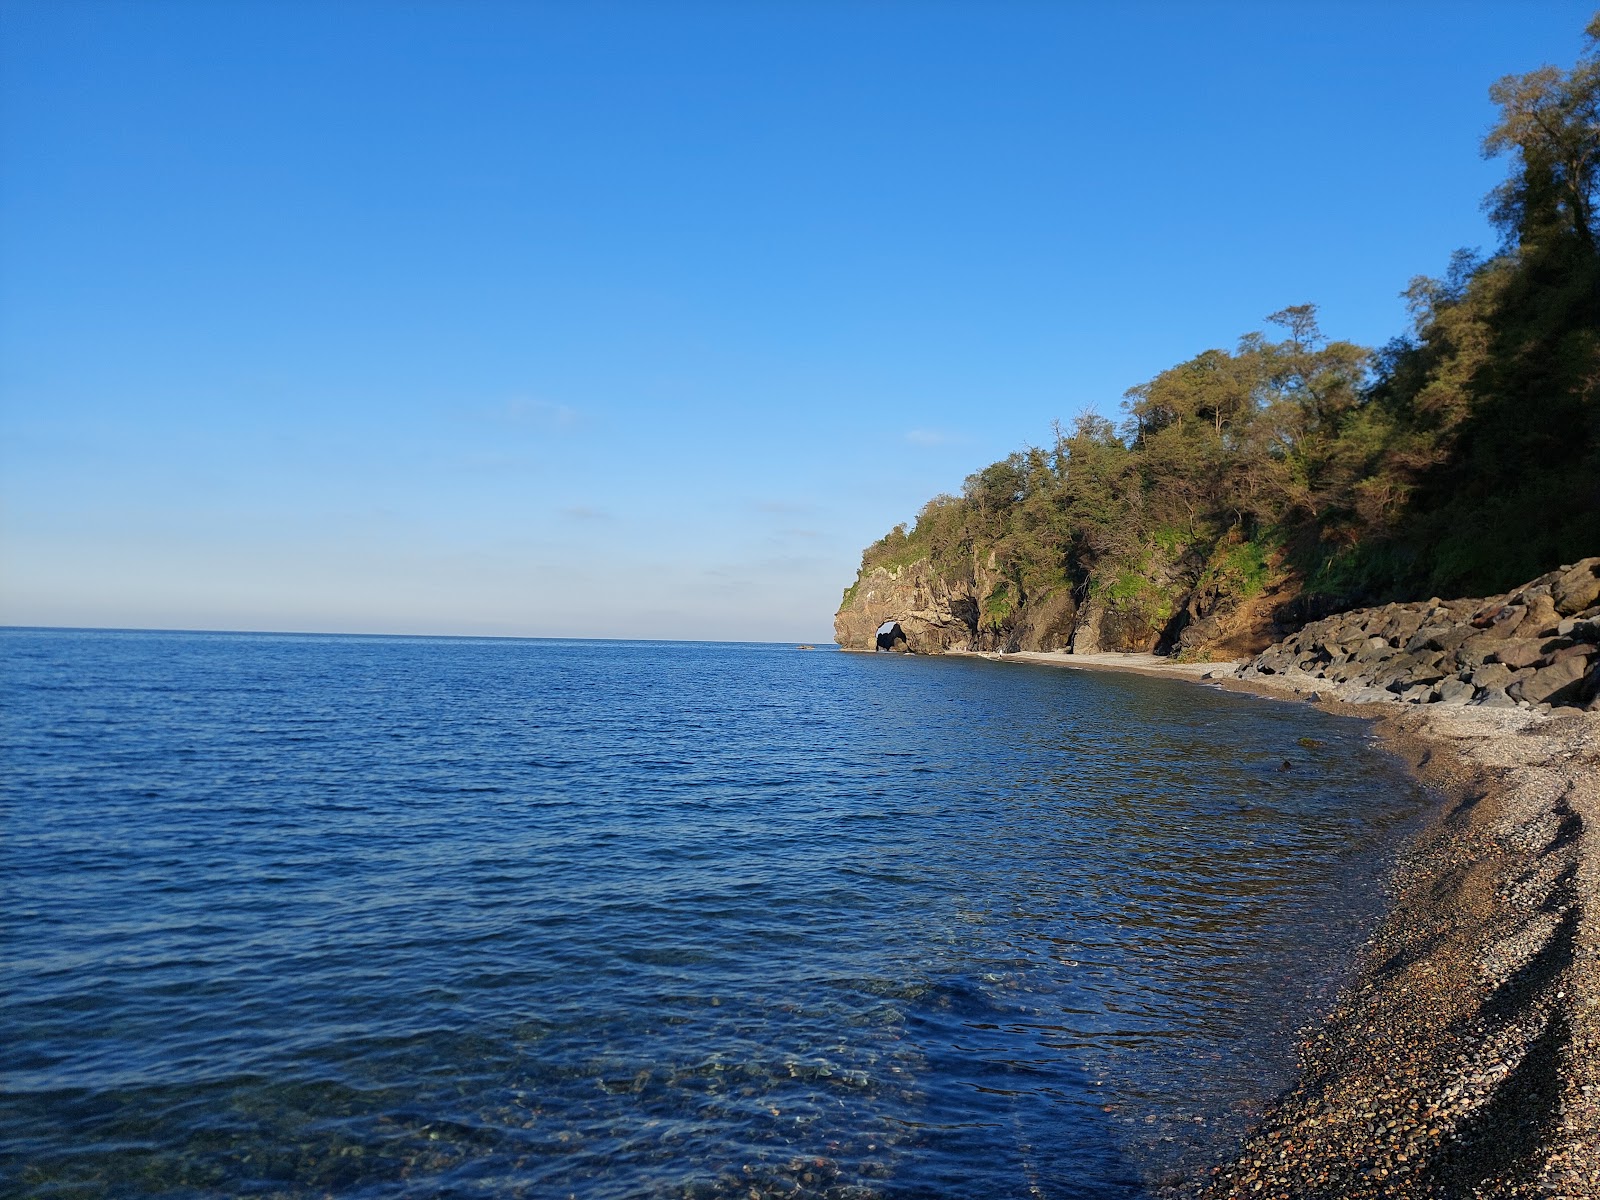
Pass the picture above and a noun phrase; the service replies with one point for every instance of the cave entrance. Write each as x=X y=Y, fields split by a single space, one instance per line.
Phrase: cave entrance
x=892 y=638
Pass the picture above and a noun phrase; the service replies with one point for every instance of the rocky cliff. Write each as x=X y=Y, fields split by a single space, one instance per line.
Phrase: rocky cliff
x=933 y=614
x=1168 y=608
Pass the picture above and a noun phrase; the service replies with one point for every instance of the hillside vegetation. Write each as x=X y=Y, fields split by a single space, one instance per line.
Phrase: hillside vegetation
x=1308 y=474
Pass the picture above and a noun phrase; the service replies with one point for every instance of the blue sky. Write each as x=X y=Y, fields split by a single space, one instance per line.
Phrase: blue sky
x=640 y=320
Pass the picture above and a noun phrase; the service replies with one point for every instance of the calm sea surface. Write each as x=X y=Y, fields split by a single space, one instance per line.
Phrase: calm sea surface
x=301 y=916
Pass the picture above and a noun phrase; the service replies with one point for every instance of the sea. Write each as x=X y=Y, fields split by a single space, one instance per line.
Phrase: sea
x=308 y=916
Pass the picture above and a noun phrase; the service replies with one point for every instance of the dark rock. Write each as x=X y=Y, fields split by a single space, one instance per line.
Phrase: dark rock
x=1477 y=649
x=1400 y=626
x=1427 y=638
x=1484 y=617
x=1421 y=667
x=1492 y=675
x=1579 y=629
x=1555 y=684
x=1493 y=697
x=1374 y=649
x=1536 y=646
x=1522 y=653
x=1504 y=623
x=1350 y=643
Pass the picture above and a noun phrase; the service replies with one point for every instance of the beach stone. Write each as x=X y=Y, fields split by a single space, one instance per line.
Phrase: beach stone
x=1428 y=638
x=1374 y=650
x=1400 y=626
x=1555 y=683
x=1492 y=675
x=1350 y=642
x=1534 y=645
x=1364 y=694
x=1521 y=653
x=1477 y=649
x=1484 y=615
x=1421 y=667
x=1505 y=621
x=1541 y=618
x=1578 y=588
x=1493 y=697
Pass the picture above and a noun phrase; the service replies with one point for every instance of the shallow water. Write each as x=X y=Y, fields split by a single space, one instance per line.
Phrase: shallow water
x=296 y=916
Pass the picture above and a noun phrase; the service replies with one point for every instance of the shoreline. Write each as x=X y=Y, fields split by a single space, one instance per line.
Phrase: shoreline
x=1463 y=1058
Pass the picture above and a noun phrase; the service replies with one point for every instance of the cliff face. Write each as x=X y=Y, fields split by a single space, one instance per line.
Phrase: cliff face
x=1162 y=611
x=985 y=612
x=932 y=615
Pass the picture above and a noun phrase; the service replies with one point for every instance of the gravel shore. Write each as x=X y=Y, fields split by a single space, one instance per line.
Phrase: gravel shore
x=1464 y=1060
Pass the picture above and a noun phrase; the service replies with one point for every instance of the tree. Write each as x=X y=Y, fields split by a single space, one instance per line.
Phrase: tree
x=1550 y=123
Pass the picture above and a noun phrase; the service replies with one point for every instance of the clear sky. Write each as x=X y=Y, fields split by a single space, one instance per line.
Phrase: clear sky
x=640 y=320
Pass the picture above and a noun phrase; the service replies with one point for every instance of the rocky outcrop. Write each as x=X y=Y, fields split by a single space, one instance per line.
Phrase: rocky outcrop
x=1107 y=628
x=933 y=615
x=1157 y=610
x=1216 y=626
x=985 y=612
x=1537 y=646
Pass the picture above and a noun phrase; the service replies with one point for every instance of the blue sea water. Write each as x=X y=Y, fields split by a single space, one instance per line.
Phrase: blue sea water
x=306 y=916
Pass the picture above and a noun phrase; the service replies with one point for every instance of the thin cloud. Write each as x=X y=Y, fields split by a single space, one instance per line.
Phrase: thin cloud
x=582 y=512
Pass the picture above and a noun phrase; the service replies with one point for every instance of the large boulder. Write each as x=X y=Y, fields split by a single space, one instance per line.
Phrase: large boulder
x=1558 y=683
x=1578 y=587
x=1523 y=652
x=1541 y=617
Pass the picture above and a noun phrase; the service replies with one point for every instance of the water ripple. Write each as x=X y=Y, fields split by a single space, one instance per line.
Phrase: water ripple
x=292 y=916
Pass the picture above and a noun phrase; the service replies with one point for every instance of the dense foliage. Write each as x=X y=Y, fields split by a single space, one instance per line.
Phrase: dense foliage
x=1461 y=458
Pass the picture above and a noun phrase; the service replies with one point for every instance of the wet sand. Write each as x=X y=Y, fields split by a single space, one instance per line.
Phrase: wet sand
x=1464 y=1059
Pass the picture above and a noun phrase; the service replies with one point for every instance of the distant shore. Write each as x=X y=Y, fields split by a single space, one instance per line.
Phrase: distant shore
x=1464 y=1059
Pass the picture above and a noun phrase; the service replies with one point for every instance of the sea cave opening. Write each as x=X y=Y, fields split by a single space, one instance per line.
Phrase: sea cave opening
x=892 y=638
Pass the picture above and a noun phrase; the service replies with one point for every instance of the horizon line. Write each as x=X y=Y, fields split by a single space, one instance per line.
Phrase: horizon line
x=486 y=637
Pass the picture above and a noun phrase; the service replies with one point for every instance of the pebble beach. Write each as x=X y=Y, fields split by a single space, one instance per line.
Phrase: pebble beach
x=1464 y=1058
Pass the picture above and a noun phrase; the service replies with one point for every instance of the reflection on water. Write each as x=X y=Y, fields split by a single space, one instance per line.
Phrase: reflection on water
x=368 y=916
